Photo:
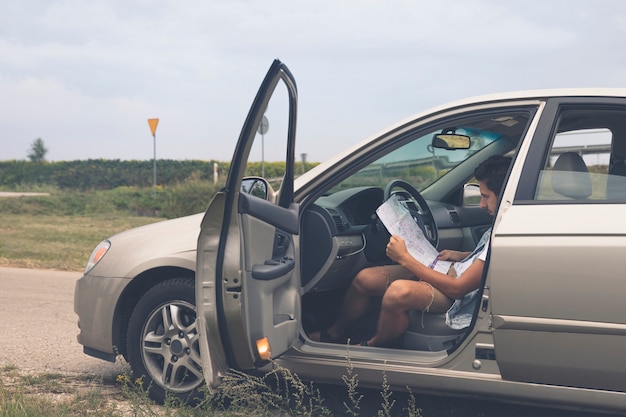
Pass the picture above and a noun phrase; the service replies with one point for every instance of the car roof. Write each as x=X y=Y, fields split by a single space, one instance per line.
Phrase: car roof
x=538 y=94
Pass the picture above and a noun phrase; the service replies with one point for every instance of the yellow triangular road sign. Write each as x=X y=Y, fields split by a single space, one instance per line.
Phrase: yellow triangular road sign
x=153 y=124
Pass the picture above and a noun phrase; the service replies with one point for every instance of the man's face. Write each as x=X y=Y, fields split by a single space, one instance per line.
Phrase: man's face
x=488 y=199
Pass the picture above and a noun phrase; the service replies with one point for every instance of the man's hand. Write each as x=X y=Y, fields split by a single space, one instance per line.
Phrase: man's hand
x=452 y=255
x=396 y=249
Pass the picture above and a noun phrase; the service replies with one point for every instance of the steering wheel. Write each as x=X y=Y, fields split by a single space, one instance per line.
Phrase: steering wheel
x=417 y=206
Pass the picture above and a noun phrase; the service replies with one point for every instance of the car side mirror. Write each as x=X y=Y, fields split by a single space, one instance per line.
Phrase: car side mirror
x=255 y=186
x=471 y=194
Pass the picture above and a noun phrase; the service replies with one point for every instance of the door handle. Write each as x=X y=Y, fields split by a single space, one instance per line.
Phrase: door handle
x=274 y=268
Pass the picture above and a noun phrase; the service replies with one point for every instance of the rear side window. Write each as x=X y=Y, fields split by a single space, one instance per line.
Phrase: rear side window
x=585 y=161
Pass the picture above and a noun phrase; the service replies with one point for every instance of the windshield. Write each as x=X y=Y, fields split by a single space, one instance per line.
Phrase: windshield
x=419 y=162
x=422 y=164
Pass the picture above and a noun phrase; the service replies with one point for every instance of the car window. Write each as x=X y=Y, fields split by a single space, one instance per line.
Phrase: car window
x=584 y=161
x=421 y=164
x=270 y=143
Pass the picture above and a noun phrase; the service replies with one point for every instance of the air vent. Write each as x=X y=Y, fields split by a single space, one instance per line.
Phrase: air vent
x=338 y=223
x=454 y=216
x=411 y=206
x=337 y=219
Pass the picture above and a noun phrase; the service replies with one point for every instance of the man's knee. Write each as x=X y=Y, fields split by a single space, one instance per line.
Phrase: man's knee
x=366 y=280
x=397 y=294
x=406 y=295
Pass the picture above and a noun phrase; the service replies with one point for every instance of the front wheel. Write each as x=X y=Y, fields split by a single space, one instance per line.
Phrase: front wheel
x=163 y=343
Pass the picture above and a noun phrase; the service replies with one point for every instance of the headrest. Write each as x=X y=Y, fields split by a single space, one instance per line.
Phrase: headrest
x=570 y=176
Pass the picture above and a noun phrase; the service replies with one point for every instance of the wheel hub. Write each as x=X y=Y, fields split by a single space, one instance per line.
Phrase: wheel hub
x=176 y=347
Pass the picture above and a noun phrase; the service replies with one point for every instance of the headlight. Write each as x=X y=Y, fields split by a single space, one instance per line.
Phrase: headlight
x=97 y=254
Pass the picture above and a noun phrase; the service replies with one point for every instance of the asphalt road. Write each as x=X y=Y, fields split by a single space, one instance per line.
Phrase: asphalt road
x=38 y=327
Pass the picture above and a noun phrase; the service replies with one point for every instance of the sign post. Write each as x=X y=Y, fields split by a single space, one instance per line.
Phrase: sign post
x=153 y=125
x=263 y=128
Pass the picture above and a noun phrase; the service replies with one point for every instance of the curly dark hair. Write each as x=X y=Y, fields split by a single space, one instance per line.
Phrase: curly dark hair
x=492 y=172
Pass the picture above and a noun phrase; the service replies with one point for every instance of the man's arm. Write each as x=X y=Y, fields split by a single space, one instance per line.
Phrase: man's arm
x=452 y=287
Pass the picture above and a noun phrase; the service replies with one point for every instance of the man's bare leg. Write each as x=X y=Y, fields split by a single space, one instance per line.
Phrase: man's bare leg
x=367 y=283
x=401 y=297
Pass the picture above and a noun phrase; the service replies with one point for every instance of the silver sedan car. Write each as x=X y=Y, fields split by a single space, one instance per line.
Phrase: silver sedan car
x=244 y=284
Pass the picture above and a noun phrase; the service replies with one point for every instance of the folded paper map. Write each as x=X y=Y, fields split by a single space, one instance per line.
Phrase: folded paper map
x=398 y=221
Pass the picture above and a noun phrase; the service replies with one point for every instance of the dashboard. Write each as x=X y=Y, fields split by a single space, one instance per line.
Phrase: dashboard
x=352 y=209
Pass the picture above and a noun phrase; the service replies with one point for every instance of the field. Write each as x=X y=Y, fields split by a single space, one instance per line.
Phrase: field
x=58 y=242
x=58 y=229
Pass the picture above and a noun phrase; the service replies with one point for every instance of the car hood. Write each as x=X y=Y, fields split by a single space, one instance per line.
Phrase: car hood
x=167 y=243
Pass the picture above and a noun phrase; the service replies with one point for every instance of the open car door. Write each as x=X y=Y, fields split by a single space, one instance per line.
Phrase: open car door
x=247 y=276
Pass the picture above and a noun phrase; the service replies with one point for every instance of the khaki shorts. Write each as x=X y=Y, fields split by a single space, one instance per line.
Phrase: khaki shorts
x=439 y=303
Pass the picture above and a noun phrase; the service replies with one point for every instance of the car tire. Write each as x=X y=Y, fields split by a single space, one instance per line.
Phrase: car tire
x=163 y=342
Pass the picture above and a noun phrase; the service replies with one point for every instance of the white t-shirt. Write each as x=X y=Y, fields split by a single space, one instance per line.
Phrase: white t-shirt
x=460 y=314
x=462 y=266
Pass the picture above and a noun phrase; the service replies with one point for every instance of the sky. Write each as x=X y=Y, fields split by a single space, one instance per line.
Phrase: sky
x=86 y=75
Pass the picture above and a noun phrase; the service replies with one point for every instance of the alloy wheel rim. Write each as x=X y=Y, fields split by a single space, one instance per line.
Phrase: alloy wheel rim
x=170 y=347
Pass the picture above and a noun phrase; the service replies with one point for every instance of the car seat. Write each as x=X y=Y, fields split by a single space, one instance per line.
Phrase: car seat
x=430 y=332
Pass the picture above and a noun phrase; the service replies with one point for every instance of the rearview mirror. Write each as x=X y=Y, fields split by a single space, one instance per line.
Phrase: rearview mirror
x=451 y=141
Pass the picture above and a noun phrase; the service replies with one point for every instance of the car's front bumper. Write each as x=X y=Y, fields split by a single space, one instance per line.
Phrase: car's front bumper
x=95 y=299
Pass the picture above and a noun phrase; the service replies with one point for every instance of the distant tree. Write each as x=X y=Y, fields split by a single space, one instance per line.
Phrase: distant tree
x=37 y=151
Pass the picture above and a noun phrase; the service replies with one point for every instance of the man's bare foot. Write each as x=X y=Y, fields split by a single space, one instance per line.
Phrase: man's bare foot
x=315 y=336
x=326 y=337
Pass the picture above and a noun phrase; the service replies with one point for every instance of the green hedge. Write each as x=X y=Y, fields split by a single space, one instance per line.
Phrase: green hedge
x=105 y=174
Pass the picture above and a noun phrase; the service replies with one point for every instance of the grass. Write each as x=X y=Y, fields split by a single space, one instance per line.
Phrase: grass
x=58 y=242
x=56 y=395
x=277 y=393
x=59 y=230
